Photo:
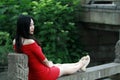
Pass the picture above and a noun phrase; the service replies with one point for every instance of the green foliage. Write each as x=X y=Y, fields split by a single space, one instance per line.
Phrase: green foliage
x=9 y=10
x=56 y=29
x=5 y=46
x=55 y=24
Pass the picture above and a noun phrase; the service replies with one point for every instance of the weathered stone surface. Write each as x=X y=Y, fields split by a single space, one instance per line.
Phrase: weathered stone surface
x=95 y=72
x=100 y=14
x=17 y=67
x=117 y=52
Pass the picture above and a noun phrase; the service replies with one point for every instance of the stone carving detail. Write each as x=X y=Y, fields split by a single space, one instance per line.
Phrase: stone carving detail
x=18 y=67
x=117 y=52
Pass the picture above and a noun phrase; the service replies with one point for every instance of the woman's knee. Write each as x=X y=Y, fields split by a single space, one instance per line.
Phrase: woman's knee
x=62 y=71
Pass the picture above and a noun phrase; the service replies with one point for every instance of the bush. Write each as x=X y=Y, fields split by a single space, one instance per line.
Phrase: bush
x=56 y=30
x=5 y=47
x=55 y=26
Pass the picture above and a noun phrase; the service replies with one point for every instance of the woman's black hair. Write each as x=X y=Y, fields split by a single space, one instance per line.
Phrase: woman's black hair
x=23 y=27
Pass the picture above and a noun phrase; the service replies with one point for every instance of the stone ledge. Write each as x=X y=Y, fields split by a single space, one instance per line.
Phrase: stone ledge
x=101 y=7
x=18 y=69
x=95 y=72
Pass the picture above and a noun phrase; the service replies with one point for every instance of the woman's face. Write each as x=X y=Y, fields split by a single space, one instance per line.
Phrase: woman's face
x=32 y=27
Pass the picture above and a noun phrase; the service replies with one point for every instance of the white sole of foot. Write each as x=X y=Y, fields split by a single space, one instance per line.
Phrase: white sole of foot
x=86 y=64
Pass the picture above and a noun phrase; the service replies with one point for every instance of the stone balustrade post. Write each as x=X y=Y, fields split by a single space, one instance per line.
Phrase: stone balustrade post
x=117 y=60
x=17 y=67
x=117 y=52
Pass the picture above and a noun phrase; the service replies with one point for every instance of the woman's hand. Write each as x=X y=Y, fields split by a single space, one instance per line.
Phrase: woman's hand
x=48 y=63
x=51 y=64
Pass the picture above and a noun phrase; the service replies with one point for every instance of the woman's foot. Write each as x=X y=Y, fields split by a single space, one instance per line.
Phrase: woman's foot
x=84 y=61
x=87 y=58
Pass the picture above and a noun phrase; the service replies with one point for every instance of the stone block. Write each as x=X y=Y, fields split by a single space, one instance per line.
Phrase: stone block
x=17 y=67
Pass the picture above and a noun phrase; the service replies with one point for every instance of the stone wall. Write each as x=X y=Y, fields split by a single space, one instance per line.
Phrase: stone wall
x=18 y=70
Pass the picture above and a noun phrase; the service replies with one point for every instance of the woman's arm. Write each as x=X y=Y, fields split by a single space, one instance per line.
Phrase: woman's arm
x=48 y=63
x=37 y=51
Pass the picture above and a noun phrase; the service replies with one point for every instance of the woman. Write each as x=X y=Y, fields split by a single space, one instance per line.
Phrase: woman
x=39 y=66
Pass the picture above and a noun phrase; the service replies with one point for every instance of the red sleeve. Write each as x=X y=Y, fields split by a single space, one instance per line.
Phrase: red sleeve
x=37 y=51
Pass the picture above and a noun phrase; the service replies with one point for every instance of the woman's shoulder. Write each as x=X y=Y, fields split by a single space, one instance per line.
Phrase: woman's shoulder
x=26 y=41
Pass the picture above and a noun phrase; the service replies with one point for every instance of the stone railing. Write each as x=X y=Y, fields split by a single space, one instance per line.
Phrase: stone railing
x=95 y=72
x=18 y=68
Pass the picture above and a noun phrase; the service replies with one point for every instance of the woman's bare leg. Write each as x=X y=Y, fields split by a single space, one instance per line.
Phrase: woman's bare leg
x=71 y=68
x=67 y=64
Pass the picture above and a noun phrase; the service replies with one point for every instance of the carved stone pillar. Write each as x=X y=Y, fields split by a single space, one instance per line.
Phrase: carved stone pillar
x=117 y=52
x=17 y=67
x=117 y=60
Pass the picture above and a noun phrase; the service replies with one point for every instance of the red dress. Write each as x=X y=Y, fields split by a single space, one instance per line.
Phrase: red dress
x=38 y=70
